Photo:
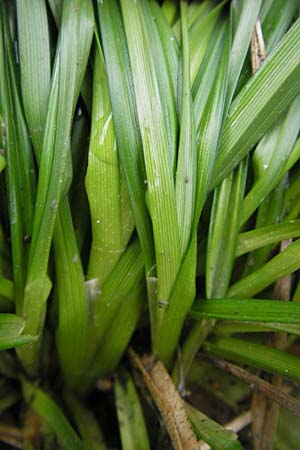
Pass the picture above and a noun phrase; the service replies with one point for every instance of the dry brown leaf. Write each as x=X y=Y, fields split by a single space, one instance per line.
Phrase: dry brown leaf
x=258 y=52
x=268 y=390
x=168 y=401
x=11 y=435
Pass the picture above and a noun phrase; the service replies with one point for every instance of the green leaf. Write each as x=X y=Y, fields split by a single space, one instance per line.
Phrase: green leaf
x=2 y=163
x=88 y=427
x=223 y=231
x=271 y=234
x=276 y=19
x=211 y=432
x=34 y=48
x=206 y=76
x=54 y=418
x=293 y=157
x=267 y=94
x=256 y=355
x=7 y=288
x=181 y=299
x=56 y=9
x=166 y=87
x=16 y=341
x=244 y=16
x=227 y=328
x=130 y=415
x=54 y=175
x=270 y=156
x=292 y=200
x=125 y=120
x=35 y=82
x=72 y=329
x=116 y=340
x=200 y=35
x=248 y=310
x=108 y=301
x=269 y=212
x=160 y=185
x=169 y=8
x=210 y=126
x=197 y=11
x=20 y=178
x=168 y=42
x=184 y=288
x=282 y=264
x=11 y=327
x=186 y=173
x=103 y=182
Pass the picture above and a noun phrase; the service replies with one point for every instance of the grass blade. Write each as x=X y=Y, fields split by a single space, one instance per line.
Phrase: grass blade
x=244 y=15
x=130 y=415
x=126 y=127
x=2 y=163
x=186 y=174
x=56 y=9
x=115 y=341
x=211 y=123
x=54 y=177
x=211 y=432
x=166 y=87
x=207 y=74
x=282 y=264
x=169 y=8
x=11 y=327
x=269 y=212
x=103 y=182
x=210 y=127
x=34 y=47
x=268 y=94
x=196 y=12
x=223 y=228
x=276 y=21
x=223 y=232
x=200 y=35
x=7 y=288
x=160 y=186
x=53 y=417
x=271 y=234
x=181 y=299
x=126 y=275
x=257 y=355
x=169 y=43
x=270 y=158
x=35 y=82
x=88 y=427
x=72 y=329
x=248 y=310
x=292 y=202
x=228 y=328
x=20 y=177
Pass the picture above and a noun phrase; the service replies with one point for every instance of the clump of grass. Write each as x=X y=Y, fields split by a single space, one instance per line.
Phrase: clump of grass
x=149 y=224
